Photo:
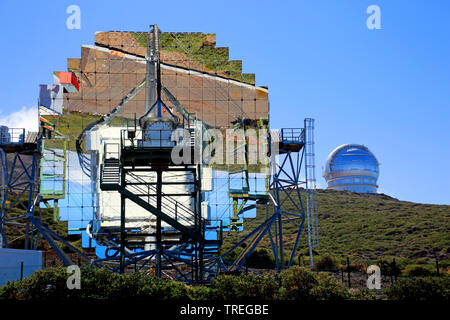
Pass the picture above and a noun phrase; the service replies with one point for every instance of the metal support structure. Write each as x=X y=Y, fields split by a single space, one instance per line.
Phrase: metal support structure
x=179 y=232
x=150 y=71
x=166 y=253
x=286 y=189
x=122 y=225
x=179 y=249
x=20 y=190
x=310 y=175
x=158 y=222
x=4 y=189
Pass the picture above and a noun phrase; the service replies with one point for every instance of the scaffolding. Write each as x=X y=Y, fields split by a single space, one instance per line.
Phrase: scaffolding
x=20 y=194
x=137 y=168
x=291 y=146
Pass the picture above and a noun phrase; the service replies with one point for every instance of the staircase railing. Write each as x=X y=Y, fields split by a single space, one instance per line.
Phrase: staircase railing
x=178 y=210
x=293 y=135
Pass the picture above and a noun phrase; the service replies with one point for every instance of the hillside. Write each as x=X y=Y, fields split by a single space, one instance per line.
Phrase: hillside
x=368 y=227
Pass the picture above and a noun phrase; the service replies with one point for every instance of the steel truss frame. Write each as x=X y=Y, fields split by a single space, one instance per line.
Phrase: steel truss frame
x=21 y=180
x=287 y=201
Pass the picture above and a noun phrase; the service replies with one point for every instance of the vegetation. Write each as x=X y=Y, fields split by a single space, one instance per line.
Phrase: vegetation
x=100 y=284
x=297 y=283
x=71 y=124
x=196 y=47
x=369 y=229
x=431 y=288
x=50 y=284
x=418 y=271
x=15 y=233
x=249 y=287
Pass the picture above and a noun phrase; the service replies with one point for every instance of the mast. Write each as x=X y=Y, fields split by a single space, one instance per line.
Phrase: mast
x=152 y=56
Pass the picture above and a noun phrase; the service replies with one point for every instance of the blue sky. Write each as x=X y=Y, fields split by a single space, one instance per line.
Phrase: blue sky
x=388 y=89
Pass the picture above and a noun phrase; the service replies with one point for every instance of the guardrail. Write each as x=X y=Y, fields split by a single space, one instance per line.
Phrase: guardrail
x=149 y=138
x=10 y=136
x=293 y=135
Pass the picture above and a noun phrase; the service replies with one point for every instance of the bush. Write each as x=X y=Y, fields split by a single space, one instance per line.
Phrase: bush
x=354 y=267
x=230 y=287
x=96 y=284
x=260 y=258
x=388 y=268
x=329 y=289
x=160 y=289
x=413 y=289
x=201 y=293
x=444 y=264
x=326 y=264
x=417 y=271
x=362 y=294
x=43 y=285
x=296 y=284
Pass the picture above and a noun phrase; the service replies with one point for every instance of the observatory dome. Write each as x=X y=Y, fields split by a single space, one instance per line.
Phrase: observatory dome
x=352 y=167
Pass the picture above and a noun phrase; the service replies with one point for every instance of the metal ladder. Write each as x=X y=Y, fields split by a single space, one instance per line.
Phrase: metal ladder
x=110 y=174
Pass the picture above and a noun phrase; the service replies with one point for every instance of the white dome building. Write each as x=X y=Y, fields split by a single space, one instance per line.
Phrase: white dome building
x=352 y=167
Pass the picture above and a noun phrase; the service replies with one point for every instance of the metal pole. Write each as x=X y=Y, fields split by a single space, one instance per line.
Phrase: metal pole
x=348 y=272
x=122 y=220
x=27 y=231
x=4 y=169
x=394 y=269
x=278 y=209
x=150 y=71
x=196 y=262
x=158 y=222
x=437 y=267
x=122 y=233
x=308 y=205
x=280 y=234
x=158 y=69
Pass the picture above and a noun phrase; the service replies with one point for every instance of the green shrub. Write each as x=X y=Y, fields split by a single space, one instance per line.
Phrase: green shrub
x=326 y=264
x=417 y=271
x=296 y=284
x=389 y=268
x=329 y=289
x=99 y=284
x=354 y=267
x=362 y=294
x=231 y=287
x=10 y=291
x=433 y=289
x=202 y=293
x=96 y=284
x=43 y=285
x=444 y=264
x=260 y=258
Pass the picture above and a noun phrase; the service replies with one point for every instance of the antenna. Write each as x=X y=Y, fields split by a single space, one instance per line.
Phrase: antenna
x=150 y=71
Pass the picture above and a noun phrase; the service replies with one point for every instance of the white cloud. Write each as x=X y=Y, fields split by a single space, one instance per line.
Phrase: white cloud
x=24 y=118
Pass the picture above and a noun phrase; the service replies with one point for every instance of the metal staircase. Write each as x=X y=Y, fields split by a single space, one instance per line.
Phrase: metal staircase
x=110 y=174
x=184 y=222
